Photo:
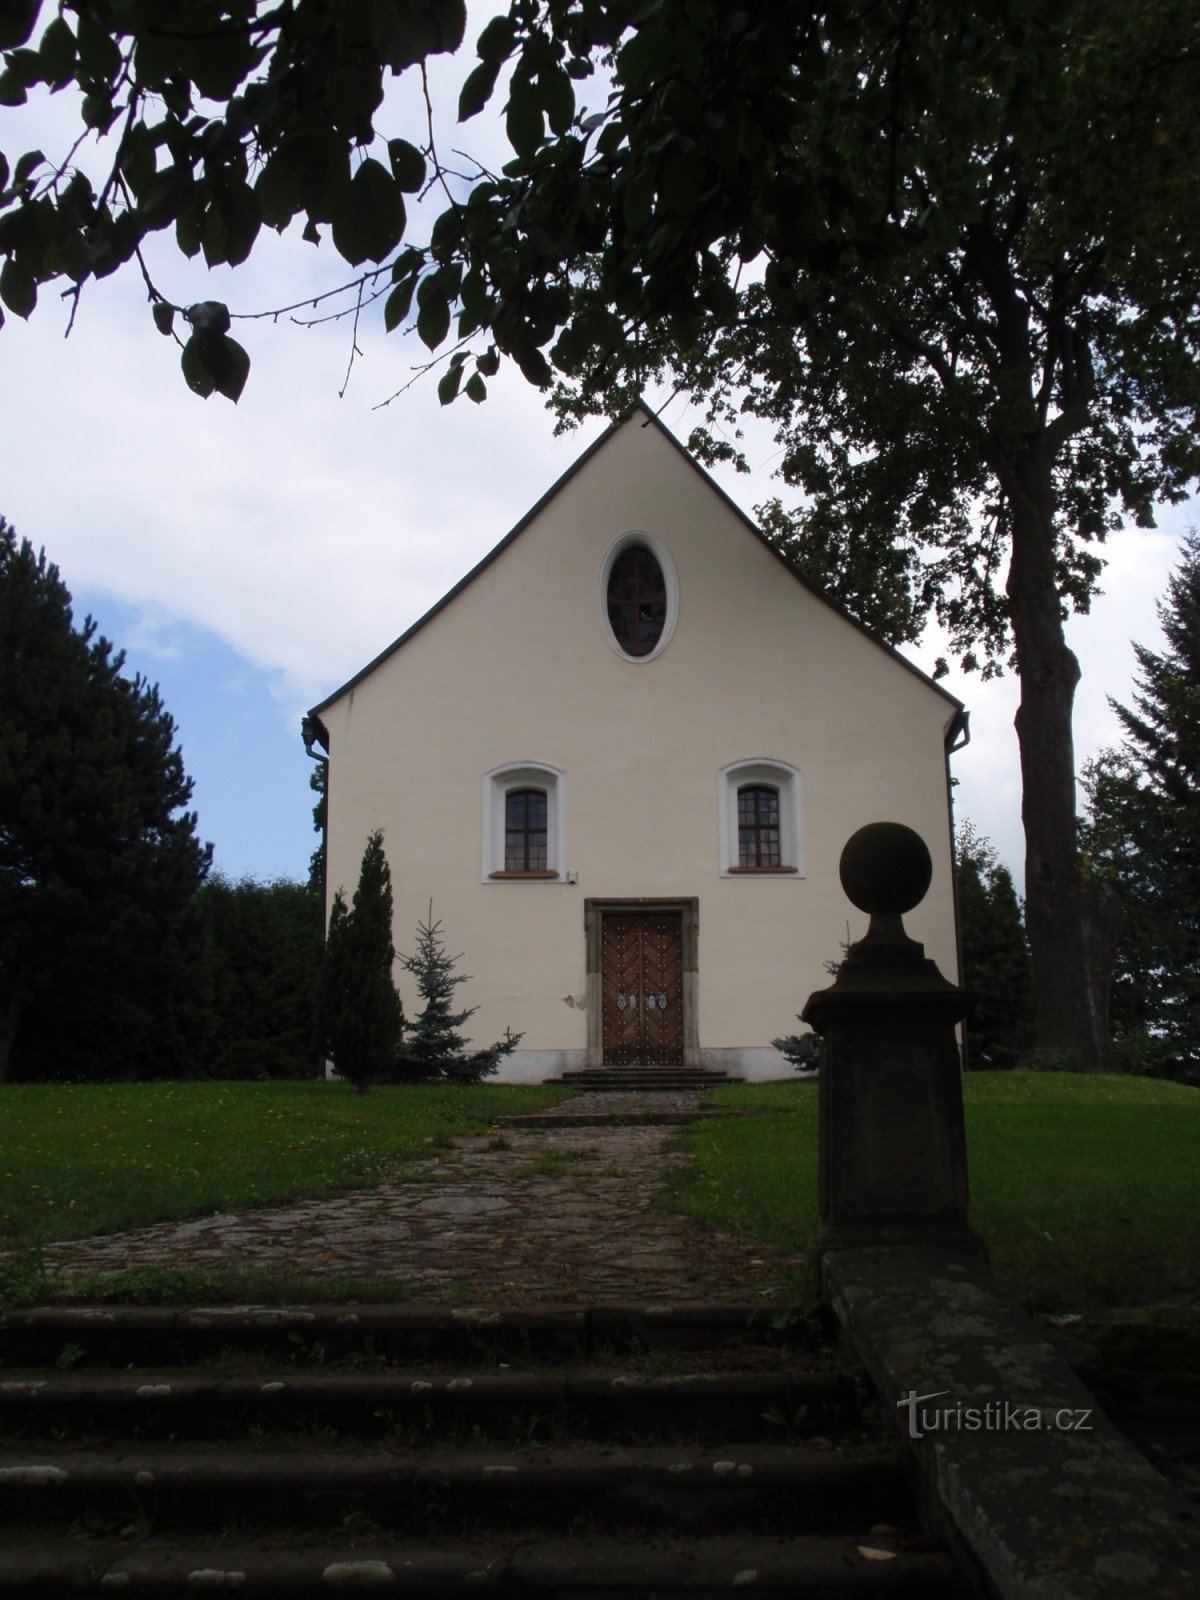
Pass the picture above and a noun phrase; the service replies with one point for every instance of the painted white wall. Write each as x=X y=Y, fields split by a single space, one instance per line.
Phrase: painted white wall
x=519 y=667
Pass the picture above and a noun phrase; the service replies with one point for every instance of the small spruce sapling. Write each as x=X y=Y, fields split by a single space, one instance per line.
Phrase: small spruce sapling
x=362 y=1021
x=803 y=1050
x=434 y=1047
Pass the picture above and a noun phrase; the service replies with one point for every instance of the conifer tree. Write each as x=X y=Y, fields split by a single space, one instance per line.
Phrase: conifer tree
x=995 y=956
x=362 y=1019
x=99 y=858
x=434 y=1047
x=1143 y=836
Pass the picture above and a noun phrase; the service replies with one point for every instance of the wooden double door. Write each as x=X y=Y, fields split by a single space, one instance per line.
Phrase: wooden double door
x=642 y=988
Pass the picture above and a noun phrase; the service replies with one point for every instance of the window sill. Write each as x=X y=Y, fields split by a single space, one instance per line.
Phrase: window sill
x=509 y=876
x=759 y=872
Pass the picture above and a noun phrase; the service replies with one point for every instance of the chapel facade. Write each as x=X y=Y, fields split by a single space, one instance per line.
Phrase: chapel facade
x=622 y=758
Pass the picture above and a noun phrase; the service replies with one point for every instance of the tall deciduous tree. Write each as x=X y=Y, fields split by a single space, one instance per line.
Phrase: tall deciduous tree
x=995 y=956
x=1142 y=833
x=945 y=251
x=361 y=1016
x=99 y=859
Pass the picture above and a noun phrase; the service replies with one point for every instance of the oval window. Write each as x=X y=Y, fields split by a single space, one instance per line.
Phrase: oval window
x=637 y=600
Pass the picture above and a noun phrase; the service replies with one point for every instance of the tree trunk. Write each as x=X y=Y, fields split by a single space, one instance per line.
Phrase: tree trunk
x=1072 y=926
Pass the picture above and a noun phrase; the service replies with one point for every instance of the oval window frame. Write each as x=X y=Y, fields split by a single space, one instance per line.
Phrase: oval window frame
x=639 y=536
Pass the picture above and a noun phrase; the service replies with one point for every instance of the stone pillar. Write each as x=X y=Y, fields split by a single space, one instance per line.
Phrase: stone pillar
x=893 y=1157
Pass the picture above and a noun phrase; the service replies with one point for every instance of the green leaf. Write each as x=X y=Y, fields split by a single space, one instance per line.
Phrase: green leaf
x=524 y=122
x=557 y=95
x=231 y=368
x=138 y=162
x=408 y=165
x=497 y=39
x=215 y=364
x=57 y=50
x=98 y=111
x=278 y=187
x=648 y=57
x=449 y=384
x=217 y=65
x=162 y=196
x=188 y=224
x=371 y=222
x=214 y=236
x=27 y=65
x=99 y=52
x=433 y=321
x=26 y=166
x=12 y=90
x=323 y=164
x=242 y=217
x=164 y=316
x=18 y=289
x=476 y=389
x=208 y=317
x=396 y=306
x=476 y=91
x=352 y=95
x=427 y=28
x=534 y=366
x=195 y=369
x=17 y=18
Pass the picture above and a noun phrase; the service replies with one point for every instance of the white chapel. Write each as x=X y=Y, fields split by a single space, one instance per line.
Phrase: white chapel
x=621 y=757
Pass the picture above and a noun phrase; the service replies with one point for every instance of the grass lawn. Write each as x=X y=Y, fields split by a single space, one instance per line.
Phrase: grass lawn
x=77 y=1159
x=1086 y=1189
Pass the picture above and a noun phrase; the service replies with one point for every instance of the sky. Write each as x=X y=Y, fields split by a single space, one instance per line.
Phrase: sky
x=250 y=559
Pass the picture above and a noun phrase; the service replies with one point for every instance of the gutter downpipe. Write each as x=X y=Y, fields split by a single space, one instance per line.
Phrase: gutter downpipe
x=958 y=736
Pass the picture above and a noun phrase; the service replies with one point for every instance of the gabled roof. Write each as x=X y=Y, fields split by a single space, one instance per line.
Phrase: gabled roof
x=651 y=417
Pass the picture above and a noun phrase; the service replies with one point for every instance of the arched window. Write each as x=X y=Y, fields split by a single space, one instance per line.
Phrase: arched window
x=524 y=814
x=761 y=819
x=637 y=600
x=758 y=826
x=525 y=830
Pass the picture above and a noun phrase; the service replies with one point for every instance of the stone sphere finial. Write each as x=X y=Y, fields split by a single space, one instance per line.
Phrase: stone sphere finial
x=885 y=868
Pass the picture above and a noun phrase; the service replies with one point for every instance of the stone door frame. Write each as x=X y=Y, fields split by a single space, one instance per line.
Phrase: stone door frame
x=688 y=911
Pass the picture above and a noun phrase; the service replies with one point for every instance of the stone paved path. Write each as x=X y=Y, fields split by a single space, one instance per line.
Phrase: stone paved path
x=549 y=1213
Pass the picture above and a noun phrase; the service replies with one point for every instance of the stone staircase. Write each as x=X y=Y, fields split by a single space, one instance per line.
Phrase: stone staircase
x=609 y=1451
x=631 y=1080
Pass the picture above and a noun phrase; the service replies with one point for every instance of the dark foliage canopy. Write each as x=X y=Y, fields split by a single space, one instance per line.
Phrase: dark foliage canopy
x=995 y=956
x=99 y=858
x=257 y=979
